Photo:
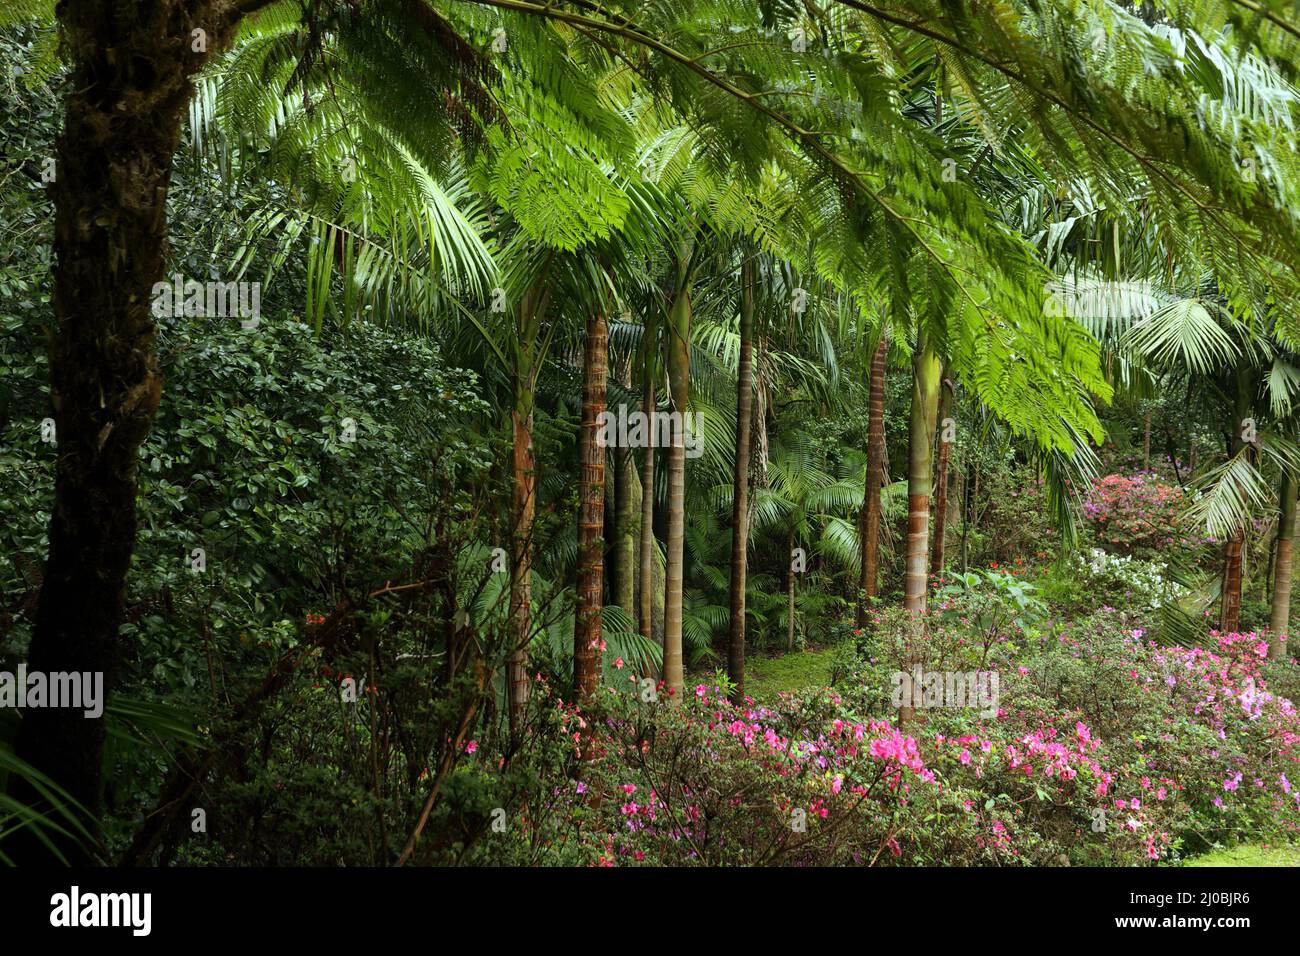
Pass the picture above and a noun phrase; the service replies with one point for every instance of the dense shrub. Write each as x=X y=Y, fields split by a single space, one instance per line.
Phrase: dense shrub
x=1135 y=514
x=1104 y=749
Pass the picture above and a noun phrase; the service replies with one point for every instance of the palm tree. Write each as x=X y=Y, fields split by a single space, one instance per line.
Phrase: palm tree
x=869 y=582
x=591 y=516
x=947 y=397
x=926 y=367
x=677 y=345
x=807 y=509
x=740 y=494
x=1280 y=619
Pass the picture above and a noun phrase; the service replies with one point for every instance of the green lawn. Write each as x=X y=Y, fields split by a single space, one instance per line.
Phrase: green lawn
x=766 y=677
x=1249 y=856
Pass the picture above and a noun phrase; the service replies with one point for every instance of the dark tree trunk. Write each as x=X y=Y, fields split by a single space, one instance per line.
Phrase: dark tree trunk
x=740 y=491
x=129 y=86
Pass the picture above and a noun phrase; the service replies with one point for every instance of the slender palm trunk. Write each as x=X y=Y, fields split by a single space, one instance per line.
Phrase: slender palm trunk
x=523 y=505
x=869 y=582
x=523 y=512
x=740 y=490
x=1280 y=620
x=591 y=516
x=646 y=565
x=920 y=460
x=627 y=511
x=941 y=478
x=131 y=67
x=789 y=598
x=679 y=370
x=759 y=422
x=920 y=455
x=1230 y=610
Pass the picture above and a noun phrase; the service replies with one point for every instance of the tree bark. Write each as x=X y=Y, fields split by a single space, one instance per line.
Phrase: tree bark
x=925 y=403
x=1230 y=612
x=679 y=370
x=130 y=82
x=789 y=598
x=869 y=582
x=523 y=512
x=1280 y=620
x=740 y=491
x=920 y=455
x=591 y=517
x=941 y=478
x=645 y=615
x=627 y=512
x=1230 y=609
x=523 y=505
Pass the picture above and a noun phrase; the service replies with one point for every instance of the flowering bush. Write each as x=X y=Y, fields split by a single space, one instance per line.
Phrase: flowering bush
x=706 y=781
x=1134 y=514
x=1101 y=748
x=1123 y=581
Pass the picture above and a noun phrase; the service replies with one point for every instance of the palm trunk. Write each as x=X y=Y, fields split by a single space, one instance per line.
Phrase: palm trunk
x=646 y=567
x=523 y=510
x=789 y=598
x=941 y=478
x=523 y=505
x=591 y=515
x=627 y=510
x=1230 y=610
x=131 y=66
x=869 y=583
x=759 y=422
x=969 y=486
x=740 y=491
x=920 y=459
x=1280 y=620
x=679 y=370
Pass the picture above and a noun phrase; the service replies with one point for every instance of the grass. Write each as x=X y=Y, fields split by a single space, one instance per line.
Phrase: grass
x=766 y=677
x=1249 y=856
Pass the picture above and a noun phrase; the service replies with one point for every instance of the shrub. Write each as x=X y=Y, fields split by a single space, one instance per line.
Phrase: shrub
x=1134 y=514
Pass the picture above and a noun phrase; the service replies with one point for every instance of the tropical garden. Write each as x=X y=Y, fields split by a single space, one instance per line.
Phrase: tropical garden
x=699 y=432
